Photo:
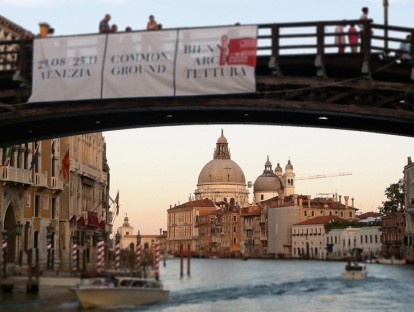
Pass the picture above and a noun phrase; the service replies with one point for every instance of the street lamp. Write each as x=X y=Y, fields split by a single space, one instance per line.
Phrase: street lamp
x=49 y=239
x=18 y=232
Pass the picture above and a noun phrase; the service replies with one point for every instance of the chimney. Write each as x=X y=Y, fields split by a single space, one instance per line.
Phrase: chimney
x=301 y=202
x=352 y=199
x=409 y=160
x=309 y=198
x=295 y=199
x=340 y=199
x=346 y=198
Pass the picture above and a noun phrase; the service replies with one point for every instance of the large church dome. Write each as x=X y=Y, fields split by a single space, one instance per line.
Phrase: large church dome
x=221 y=169
x=221 y=179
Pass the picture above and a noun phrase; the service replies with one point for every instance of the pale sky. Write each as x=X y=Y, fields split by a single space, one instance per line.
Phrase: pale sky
x=154 y=168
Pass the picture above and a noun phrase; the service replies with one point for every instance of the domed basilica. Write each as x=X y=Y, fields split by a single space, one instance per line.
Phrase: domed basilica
x=222 y=179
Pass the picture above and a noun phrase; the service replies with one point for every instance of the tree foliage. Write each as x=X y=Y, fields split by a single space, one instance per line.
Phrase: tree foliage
x=395 y=198
x=341 y=225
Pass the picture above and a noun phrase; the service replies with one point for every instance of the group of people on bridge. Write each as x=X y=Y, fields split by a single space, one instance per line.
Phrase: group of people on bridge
x=405 y=53
x=104 y=26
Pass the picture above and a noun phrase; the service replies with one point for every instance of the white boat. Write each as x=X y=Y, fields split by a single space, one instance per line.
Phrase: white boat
x=391 y=261
x=354 y=271
x=120 y=291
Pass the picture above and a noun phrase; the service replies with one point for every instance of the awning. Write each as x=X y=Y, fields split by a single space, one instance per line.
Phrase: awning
x=81 y=222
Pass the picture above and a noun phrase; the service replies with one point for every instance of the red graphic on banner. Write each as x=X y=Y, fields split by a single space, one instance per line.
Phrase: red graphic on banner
x=238 y=51
x=223 y=49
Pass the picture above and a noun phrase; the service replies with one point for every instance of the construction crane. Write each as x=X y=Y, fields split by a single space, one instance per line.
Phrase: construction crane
x=321 y=176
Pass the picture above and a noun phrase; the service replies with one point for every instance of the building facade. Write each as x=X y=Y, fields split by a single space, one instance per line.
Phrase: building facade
x=183 y=225
x=309 y=238
x=409 y=209
x=55 y=193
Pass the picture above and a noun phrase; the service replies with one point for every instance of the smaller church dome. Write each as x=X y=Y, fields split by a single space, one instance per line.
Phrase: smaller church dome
x=278 y=168
x=268 y=181
x=289 y=166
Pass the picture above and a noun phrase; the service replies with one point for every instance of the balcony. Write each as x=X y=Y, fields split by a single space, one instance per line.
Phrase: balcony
x=40 y=180
x=15 y=175
x=56 y=183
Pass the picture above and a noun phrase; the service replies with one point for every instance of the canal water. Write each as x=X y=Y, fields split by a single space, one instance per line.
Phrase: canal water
x=254 y=285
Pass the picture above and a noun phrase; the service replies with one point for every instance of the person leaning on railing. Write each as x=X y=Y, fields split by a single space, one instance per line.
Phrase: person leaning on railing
x=405 y=49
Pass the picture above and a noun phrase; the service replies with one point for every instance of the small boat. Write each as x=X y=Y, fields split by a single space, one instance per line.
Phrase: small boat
x=119 y=291
x=391 y=261
x=354 y=271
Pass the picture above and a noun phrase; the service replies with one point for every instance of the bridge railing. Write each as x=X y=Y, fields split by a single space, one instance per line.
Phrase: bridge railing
x=16 y=57
x=319 y=37
x=274 y=40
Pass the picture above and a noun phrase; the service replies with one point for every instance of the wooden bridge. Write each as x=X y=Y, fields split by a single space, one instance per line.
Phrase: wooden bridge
x=301 y=80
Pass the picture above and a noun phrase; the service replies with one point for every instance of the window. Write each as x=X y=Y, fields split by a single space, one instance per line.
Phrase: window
x=262 y=197
x=234 y=218
x=235 y=229
x=37 y=208
x=305 y=213
x=54 y=207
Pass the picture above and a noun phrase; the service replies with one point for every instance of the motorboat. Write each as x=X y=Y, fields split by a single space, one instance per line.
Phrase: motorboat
x=353 y=270
x=120 y=291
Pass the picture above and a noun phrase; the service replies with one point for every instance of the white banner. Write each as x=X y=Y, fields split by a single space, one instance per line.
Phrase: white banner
x=67 y=68
x=145 y=64
x=206 y=64
x=140 y=65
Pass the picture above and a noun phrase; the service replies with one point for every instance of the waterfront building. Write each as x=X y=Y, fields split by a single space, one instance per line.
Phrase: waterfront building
x=183 y=226
x=364 y=241
x=226 y=231
x=29 y=201
x=409 y=209
x=222 y=179
x=283 y=212
x=85 y=216
x=392 y=235
x=54 y=192
x=251 y=225
x=309 y=238
x=204 y=222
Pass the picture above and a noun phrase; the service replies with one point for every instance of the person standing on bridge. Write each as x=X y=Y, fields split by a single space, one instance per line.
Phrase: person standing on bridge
x=104 y=24
x=353 y=38
x=152 y=24
x=340 y=38
x=405 y=49
x=363 y=17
